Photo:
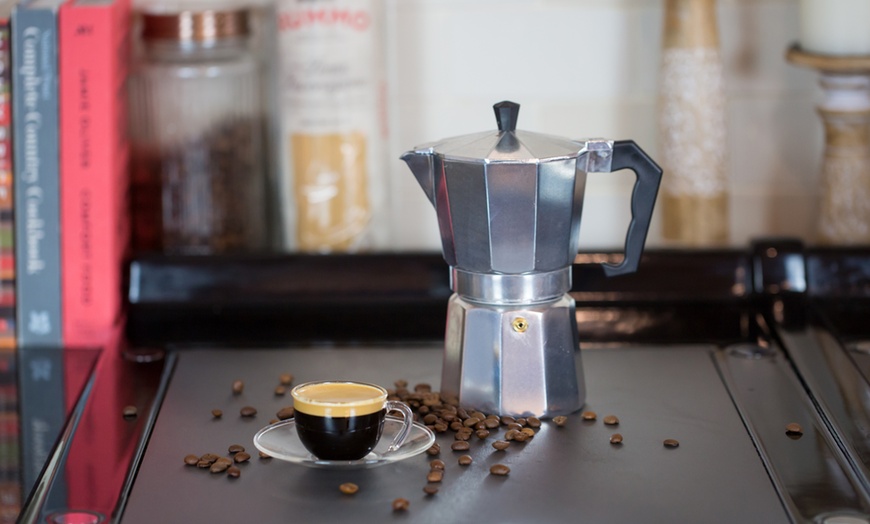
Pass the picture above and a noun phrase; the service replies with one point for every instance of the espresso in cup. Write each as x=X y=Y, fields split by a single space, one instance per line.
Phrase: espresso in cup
x=344 y=420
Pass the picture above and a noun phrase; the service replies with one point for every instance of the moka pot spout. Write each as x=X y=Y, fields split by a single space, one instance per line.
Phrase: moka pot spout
x=421 y=164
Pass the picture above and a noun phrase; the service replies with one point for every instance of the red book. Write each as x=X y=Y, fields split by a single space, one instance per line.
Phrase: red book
x=94 y=44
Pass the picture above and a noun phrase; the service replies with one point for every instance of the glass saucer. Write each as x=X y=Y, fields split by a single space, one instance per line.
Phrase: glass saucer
x=281 y=442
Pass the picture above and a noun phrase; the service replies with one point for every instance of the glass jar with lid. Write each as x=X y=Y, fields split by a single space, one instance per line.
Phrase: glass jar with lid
x=196 y=131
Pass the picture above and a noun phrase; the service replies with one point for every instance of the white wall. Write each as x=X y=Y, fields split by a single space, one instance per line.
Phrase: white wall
x=583 y=68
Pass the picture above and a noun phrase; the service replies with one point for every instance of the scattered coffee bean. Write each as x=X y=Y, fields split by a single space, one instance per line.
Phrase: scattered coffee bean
x=235 y=448
x=560 y=420
x=491 y=423
x=472 y=421
x=273 y=421
x=434 y=449
x=430 y=419
x=522 y=422
x=529 y=432
x=514 y=425
x=224 y=461
x=519 y=436
x=462 y=435
x=209 y=457
x=611 y=420
x=234 y=472
x=265 y=455
x=218 y=467
x=794 y=428
x=460 y=445
x=456 y=425
x=423 y=388
x=507 y=419
x=241 y=456
x=285 y=379
x=499 y=469
x=501 y=445
x=401 y=504
x=586 y=415
x=465 y=460
x=616 y=438
x=437 y=464
x=510 y=434
x=401 y=384
x=482 y=433
x=285 y=413
x=238 y=387
x=280 y=391
x=203 y=464
x=248 y=411
x=430 y=489
x=130 y=412
x=216 y=413
x=348 y=488
x=534 y=422
x=440 y=427
x=436 y=475
x=191 y=460
x=671 y=443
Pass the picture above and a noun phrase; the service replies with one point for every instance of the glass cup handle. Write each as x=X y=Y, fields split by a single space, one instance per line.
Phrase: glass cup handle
x=394 y=405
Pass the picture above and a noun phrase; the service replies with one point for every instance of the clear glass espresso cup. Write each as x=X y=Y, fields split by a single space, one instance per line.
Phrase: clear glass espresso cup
x=342 y=420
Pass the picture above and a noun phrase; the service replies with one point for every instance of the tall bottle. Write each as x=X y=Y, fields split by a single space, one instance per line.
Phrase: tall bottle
x=331 y=91
x=692 y=126
x=196 y=132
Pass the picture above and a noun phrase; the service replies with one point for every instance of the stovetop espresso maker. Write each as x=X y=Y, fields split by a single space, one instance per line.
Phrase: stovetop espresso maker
x=509 y=205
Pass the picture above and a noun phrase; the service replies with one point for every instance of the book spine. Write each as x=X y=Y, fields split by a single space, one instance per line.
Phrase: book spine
x=7 y=224
x=36 y=175
x=93 y=168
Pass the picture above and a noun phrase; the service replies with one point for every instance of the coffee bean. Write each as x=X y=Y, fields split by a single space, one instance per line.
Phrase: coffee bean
x=216 y=413
x=794 y=428
x=511 y=434
x=460 y=445
x=500 y=469
x=234 y=472
x=529 y=432
x=401 y=384
x=191 y=460
x=434 y=449
x=671 y=443
x=218 y=467
x=522 y=422
x=616 y=438
x=507 y=419
x=436 y=475
x=430 y=489
x=461 y=413
x=437 y=464
x=519 y=436
x=501 y=445
x=534 y=422
x=471 y=422
x=285 y=413
x=491 y=423
x=285 y=379
x=482 y=433
x=130 y=412
x=586 y=415
x=265 y=455
x=401 y=504
x=440 y=427
x=235 y=448
x=514 y=425
x=280 y=391
x=248 y=411
x=423 y=388
x=238 y=387
x=611 y=420
x=431 y=418
x=560 y=420
x=462 y=435
x=465 y=460
x=209 y=457
x=241 y=456
x=203 y=464
x=456 y=425
x=348 y=488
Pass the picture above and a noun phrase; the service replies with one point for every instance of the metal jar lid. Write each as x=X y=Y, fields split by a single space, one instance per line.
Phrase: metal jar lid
x=196 y=26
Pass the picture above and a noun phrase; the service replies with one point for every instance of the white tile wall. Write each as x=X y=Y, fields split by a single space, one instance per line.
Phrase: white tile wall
x=590 y=68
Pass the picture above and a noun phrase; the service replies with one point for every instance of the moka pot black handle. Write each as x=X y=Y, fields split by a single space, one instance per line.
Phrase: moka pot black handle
x=628 y=155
